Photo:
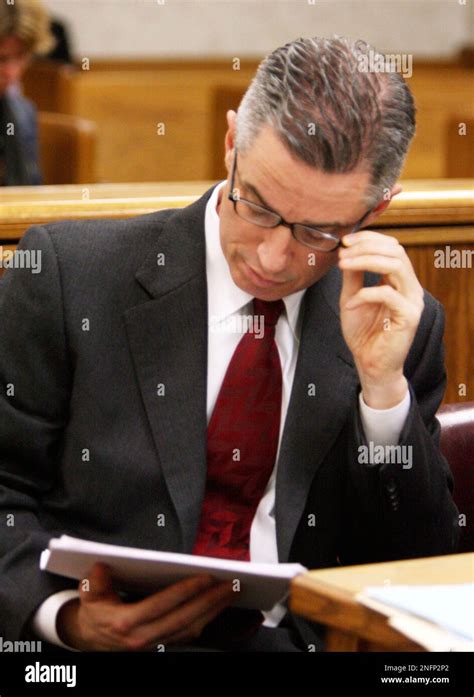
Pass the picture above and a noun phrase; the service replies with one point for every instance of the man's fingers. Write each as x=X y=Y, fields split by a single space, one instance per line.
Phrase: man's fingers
x=382 y=244
x=133 y=626
x=386 y=295
x=99 y=585
x=356 y=238
x=373 y=262
x=193 y=630
x=381 y=254
x=168 y=599
x=210 y=602
x=399 y=271
x=186 y=620
x=352 y=281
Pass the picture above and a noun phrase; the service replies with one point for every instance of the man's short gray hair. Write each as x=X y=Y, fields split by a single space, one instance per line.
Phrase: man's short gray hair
x=329 y=112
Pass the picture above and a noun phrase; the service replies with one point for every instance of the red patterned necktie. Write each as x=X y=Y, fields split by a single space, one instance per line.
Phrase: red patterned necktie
x=242 y=440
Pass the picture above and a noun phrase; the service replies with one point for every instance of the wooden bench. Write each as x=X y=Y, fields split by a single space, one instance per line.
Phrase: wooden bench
x=67 y=148
x=166 y=119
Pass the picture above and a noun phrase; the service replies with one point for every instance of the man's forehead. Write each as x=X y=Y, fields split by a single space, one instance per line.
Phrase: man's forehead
x=301 y=193
x=269 y=167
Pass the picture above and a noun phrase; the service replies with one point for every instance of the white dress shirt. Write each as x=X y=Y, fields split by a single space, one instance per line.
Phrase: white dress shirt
x=225 y=303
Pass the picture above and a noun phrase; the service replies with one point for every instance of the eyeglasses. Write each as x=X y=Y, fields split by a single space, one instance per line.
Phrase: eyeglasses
x=312 y=237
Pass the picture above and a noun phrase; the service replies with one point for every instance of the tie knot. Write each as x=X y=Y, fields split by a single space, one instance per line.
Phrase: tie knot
x=271 y=310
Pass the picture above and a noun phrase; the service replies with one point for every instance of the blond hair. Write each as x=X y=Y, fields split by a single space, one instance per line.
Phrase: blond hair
x=27 y=20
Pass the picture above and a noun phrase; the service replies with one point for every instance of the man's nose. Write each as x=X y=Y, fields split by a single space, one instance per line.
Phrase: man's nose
x=274 y=251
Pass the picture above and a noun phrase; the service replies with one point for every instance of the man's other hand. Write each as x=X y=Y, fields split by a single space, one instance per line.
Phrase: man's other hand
x=99 y=620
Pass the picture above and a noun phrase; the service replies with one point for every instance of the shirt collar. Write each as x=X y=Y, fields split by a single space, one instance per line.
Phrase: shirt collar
x=224 y=297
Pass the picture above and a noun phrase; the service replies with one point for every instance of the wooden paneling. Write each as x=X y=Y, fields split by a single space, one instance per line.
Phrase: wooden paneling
x=223 y=99
x=427 y=217
x=46 y=83
x=67 y=148
x=152 y=126
x=439 y=95
x=460 y=147
x=198 y=65
x=454 y=287
x=127 y=99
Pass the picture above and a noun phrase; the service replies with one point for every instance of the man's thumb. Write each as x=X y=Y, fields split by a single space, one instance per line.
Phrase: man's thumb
x=97 y=585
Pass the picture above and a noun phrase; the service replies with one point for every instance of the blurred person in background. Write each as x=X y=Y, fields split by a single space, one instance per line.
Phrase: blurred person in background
x=61 y=52
x=24 y=33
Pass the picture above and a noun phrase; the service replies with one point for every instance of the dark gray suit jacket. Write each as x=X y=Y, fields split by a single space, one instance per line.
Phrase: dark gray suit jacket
x=88 y=447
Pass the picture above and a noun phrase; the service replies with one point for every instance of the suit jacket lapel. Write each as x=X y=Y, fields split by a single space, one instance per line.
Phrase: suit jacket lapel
x=313 y=421
x=168 y=341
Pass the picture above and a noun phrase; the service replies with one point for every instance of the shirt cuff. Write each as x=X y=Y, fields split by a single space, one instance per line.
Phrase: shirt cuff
x=384 y=426
x=274 y=616
x=44 y=621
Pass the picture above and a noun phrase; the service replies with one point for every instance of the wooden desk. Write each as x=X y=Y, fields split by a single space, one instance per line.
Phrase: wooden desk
x=327 y=596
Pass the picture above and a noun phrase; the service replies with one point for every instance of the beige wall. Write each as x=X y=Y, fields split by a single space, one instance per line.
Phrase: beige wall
x=430 y=28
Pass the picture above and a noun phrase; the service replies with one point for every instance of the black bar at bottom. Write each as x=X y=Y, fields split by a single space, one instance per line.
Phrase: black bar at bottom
x=56 y=673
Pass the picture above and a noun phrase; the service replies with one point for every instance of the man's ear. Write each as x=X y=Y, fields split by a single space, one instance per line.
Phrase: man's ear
x=384 y=204
x=229 y=141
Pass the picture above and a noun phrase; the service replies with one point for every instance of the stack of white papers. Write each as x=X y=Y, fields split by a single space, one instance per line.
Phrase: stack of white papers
x=439 y=618
x=259 y=586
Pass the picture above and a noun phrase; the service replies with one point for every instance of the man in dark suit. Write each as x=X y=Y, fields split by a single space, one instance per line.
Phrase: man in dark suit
x=24 y=32
x=117 y=370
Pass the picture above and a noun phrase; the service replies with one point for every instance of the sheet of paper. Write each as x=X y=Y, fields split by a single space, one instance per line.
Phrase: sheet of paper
x=259 y=586
x=429 y=635
x=448 y=606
